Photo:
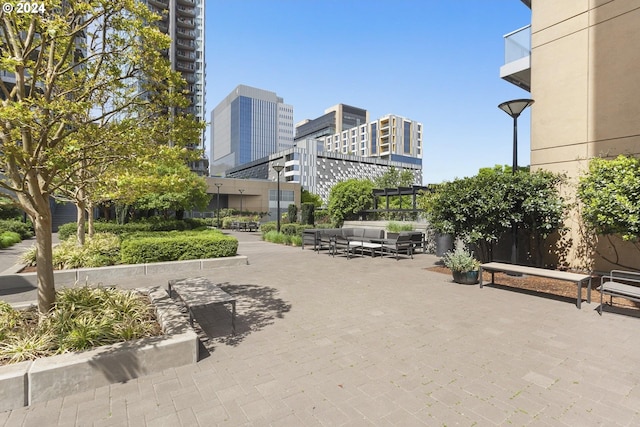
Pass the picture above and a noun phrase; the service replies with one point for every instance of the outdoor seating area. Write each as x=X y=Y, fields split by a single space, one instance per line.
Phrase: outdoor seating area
x=245 y=226
x=350 y=241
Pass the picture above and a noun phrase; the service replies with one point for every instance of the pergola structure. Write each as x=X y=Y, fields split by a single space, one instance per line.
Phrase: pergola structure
x=412 y=191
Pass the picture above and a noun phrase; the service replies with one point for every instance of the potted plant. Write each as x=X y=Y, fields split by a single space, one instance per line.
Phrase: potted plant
x=463 y=266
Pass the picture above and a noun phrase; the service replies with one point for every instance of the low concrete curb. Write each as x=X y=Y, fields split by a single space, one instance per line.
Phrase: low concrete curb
x=106 y=274
x=43 y=379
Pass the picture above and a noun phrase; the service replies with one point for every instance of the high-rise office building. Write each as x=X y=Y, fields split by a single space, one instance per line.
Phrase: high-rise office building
x=247 y=125
x=183 y=21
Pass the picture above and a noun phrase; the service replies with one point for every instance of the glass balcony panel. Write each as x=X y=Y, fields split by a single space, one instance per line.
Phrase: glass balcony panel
x=517 y=44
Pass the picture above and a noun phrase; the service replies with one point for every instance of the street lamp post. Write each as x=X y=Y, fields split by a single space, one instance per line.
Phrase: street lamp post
x=513 y=108
x=241 y=191
x=278 y=168
x=218 y=185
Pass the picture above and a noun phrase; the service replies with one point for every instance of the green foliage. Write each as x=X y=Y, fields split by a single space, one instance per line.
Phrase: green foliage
x=8 y=210
x=268 y=226
x=348 y=198
x=281 y=238
x=149 y=224
x=72 y=124
x=293 y=229
x=395 y=178
x=483 y=207
x=322 y=217
x=308 y=197
x=25 y=230
x=178 y=246
x=81 y=318
x=171 y=185
x=9 y=238
x=307 y=212
x=610 y=196
x=98 y=251
x=292 y=213
x=460 y=260
x=396 y=227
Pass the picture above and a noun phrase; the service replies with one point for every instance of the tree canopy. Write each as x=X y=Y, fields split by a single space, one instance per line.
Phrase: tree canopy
x=86 y=82
x=348 y=198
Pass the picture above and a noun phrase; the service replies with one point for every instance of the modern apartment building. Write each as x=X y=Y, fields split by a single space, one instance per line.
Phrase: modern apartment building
x=581 y=65
x=335 y=120
x=249 y=124
x=318 y=170
x=183 y=21
x=390 y=137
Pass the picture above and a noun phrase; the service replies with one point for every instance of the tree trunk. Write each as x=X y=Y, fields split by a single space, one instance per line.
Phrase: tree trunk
x=90 y=218
x=44 y=260
x=80 y=233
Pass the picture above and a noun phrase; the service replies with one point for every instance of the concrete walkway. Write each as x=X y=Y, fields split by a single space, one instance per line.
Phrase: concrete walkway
x=328 y=341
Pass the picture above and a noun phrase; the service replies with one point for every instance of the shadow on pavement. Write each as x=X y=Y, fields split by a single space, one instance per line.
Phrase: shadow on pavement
x=256 y=308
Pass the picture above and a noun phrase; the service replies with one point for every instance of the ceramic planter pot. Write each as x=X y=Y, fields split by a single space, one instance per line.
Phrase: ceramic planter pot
x=465 y=277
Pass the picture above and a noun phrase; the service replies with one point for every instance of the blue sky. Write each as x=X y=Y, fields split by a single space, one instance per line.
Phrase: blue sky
x=434 y=61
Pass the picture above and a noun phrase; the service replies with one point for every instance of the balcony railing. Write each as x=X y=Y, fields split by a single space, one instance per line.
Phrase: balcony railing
x=517 y=44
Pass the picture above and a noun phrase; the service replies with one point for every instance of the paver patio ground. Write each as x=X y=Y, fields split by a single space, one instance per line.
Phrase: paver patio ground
x=374 y=341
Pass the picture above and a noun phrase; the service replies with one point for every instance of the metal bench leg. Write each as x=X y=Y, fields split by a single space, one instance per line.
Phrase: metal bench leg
x=579 y=294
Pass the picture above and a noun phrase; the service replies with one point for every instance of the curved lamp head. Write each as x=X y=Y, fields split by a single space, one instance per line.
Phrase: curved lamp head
x=515 y=107
x=278 y=168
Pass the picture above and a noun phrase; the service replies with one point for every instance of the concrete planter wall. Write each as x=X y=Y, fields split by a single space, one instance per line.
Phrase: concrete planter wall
x=105 y=274
x=50 y=377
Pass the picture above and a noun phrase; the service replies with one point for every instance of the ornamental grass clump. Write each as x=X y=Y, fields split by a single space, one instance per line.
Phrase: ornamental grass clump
x=82 y=318
x=460 y=260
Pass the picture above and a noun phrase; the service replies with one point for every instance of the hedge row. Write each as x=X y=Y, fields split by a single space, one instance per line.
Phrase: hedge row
x=179 y=247
x=289 y=229
x=69 y=229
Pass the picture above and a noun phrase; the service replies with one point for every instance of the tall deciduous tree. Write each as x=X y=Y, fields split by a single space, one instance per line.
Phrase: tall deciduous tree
x=348 y=198
x=79 y=74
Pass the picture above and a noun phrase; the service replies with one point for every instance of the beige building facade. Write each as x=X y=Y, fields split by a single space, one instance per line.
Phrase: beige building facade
x=585 y=80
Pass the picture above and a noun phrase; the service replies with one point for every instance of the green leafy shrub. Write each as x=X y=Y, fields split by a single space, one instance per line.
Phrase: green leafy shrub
x=296 y=240
x=460 y=260
x=150 y=224
x=274 y=237
x=610 y=196
x=268 y=226
x=396 y=227
x=182 y=246
x=98 y=251
x=25 y=230
x=9 y=238
x=81 y=318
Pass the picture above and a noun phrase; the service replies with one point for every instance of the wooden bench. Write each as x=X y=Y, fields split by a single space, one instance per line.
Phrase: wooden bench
x=577 y=278
x=618 y=283
x=200 y=292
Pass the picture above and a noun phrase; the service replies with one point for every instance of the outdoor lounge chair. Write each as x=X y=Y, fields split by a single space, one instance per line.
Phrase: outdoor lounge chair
x=401 y=245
